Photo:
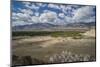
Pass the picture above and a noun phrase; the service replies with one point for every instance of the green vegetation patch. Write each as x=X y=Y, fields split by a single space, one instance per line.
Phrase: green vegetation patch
x=46 y=33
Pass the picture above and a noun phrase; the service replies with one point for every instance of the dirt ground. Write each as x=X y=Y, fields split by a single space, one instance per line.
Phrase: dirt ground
x=45 y=46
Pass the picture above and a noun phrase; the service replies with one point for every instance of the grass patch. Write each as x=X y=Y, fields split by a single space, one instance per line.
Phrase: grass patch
x=46 y=33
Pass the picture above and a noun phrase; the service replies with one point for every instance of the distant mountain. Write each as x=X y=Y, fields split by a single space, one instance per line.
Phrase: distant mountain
x=34 y=26
x=43 y=26
x=81 y=24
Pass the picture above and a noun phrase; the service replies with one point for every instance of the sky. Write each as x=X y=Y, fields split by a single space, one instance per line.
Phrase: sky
x=24 y=13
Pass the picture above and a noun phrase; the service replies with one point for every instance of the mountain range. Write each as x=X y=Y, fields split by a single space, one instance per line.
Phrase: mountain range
x=41 y=26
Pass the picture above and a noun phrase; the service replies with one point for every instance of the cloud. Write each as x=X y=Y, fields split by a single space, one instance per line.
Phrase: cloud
x=35 y=19
x=68 y=9
x=48 y=16
x=63 y=8
x=54 y=6
x=31 y=5
x=68 y=19
x=31 y=13
x=27 y=3
x=16 y=23
x=87 y=20
x=59 y=21
x=83 y=14
x=37 y=13
x=22 y=17
x=26 y=11
x=92 y=19
x=39 y=4
x=61 y=15
x=45 y=11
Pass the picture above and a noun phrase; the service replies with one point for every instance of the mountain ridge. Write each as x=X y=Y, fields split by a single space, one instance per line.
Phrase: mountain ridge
x=49 y=26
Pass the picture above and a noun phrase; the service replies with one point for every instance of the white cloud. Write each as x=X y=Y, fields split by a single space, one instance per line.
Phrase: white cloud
x=41 y=4
x=48 y=16
x=26 y=11
x=68 y=19
x=25 y=16
x=63 y=8
x=22 y=17
x=83 y=14
x=35 y=19
x=68 y=9
x=92 y=19
x=61 y=15
x=54 y=6
x=31 y=5
x=45 y=11
x=15 y=23
x=36 y=13
x=89 y=19
x=26 y=3
x=59 y=21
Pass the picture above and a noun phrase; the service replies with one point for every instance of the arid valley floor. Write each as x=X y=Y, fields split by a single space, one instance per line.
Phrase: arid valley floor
x=33 y=50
